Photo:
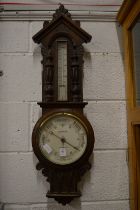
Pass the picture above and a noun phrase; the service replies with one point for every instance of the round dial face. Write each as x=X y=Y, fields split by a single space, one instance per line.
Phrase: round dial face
x=62 y=138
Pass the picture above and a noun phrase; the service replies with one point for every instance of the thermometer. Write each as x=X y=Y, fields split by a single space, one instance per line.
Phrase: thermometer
x=62 y=70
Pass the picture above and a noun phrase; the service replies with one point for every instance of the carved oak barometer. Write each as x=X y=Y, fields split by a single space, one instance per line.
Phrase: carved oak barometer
x=63 y=138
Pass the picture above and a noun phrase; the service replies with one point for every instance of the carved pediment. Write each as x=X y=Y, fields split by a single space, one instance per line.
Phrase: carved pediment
x=61 y=23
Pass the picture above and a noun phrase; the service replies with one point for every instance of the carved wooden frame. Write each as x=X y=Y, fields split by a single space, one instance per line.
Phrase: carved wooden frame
x=63 y=180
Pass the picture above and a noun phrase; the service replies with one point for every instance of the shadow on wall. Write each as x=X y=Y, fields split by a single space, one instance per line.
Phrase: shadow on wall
x=1 y=206
x=120 y=39
x=75 y=204
x=136 y=54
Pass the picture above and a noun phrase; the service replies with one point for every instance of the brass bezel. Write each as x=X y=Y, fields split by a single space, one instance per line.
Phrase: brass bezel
x=64 y=113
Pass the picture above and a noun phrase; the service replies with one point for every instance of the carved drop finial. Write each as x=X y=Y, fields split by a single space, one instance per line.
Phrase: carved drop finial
x=61 y=10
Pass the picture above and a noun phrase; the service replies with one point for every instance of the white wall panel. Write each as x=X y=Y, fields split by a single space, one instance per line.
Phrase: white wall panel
x=21 y=183
x=109 y=122
x=14 y=37
x=14 y=126
x=103 y=77
x=21 y=80
x=106 y=205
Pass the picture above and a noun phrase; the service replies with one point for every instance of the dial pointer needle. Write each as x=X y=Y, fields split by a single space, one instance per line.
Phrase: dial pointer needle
x=63 y=140
x=70 y=144
x=51 y=132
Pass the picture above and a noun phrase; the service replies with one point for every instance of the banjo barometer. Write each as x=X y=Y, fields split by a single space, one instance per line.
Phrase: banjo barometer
x=63 y=138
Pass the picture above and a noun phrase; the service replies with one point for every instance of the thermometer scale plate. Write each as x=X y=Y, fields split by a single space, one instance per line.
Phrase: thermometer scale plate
x=62 y=71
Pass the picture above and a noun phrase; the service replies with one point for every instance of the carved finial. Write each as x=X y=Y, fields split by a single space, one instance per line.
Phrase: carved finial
x=61 y=10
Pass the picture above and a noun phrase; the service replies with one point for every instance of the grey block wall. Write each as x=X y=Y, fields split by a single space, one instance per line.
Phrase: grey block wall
x=106 y=186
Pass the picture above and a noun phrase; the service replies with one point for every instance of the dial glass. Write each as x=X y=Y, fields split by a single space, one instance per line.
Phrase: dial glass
x=62 y=138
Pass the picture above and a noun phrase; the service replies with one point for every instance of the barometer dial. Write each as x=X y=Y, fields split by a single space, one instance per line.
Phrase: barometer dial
x=62 y=138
